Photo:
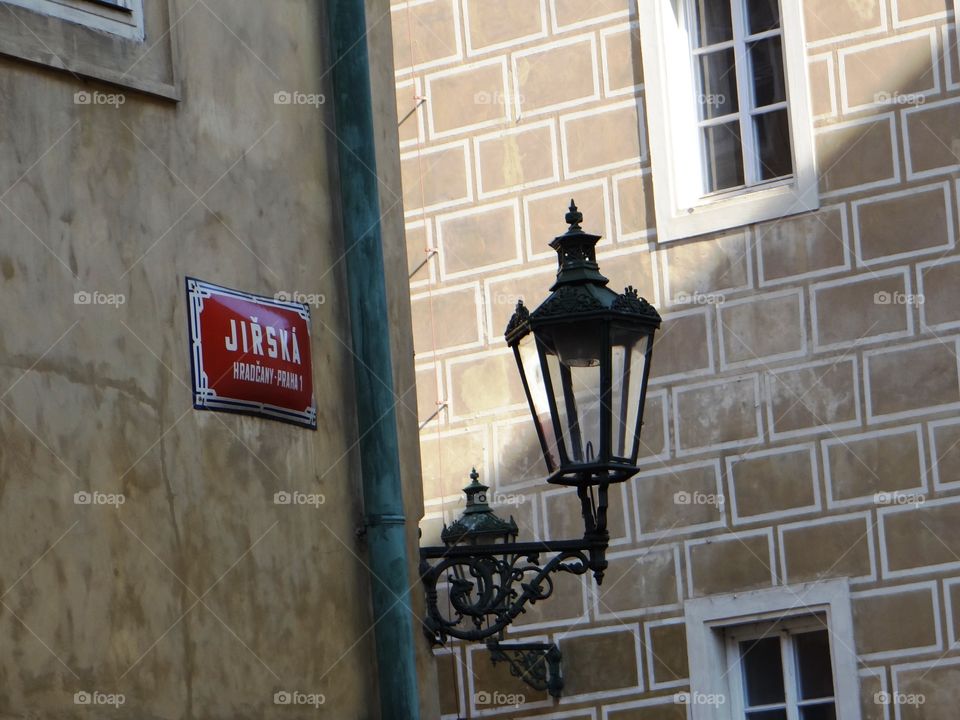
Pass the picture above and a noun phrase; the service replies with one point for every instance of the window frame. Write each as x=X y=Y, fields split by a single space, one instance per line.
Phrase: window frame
x=682 y=211
x=123 y=18
x=786 y=629
x=710 y=620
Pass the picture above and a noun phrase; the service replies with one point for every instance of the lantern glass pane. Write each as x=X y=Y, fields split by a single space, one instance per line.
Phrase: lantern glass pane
x=577 y=391
x=629 y=356
x=529 y=361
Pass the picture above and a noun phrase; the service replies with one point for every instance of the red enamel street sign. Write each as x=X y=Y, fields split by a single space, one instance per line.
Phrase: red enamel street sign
x=250 y=354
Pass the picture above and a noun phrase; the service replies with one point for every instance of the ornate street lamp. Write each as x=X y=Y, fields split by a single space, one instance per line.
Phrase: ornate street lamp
x=584 y=358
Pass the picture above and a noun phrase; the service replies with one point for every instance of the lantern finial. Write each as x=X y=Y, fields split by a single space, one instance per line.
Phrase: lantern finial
x=573 y=217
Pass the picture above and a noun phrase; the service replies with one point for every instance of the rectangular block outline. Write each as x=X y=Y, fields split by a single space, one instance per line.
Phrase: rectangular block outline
x=447 y=290
x=898 y=23
x=632 y=90
x=952 y=642
x=771 y=517
x=885 y=572
x=565 y=190
x=744 y=442
x=878 y=672
x=921 y=665
x=431 y=279
x=622 y=237
x=608 y=255
x=932 y=585
x=904 y=414
x=483 y=465
x=461 y=686
x=652 y=684
x=514 y=204
x=863 y=340
x=633 y=630
x=814 y=429
x=453 y=416
x=935 y=454
x=413 y=82
x=732 y=536
x=516 y=629
x=420 y=153
x=646 y=702
x=883 y=27
x=936 y=262
x=435 y=367
x=800 y=352
x=495 y=334
x=905 y=131
x=656 y=380
x=829 y=520
x=518 y=130
x=895 y=179
x=458 y=55
x=641 y=159
x=951 y=84
x=495 y=430
x=506 y=44
x=842 y=53
x=676 y=530
x=624 y=502
x=669 y=299
x=948 y=204
x=643 y=611
x=823 y=272
x=521 y=111
x=871 y=499
x=557 y=28
x=831 y=72
x=508 y=99
x=473 y=648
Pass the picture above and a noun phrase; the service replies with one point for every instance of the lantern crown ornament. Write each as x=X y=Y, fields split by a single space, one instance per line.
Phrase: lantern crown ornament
x=584 y=358
x=478 y=523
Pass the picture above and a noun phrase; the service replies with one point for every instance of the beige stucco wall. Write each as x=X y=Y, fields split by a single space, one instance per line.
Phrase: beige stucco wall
x=198 y=597
x=780 y=380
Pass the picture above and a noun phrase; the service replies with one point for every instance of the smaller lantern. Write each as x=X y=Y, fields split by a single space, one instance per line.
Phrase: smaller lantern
x=478 y=524
x=584 y=359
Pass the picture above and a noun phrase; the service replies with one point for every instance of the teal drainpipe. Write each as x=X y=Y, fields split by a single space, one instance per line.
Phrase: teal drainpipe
x=373 y=368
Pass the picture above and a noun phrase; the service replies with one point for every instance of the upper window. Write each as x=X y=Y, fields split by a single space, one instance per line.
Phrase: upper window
x=730 y=129
x=118 y=17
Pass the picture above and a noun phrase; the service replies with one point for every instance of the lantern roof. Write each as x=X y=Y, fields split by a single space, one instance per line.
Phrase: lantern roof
x=478 y=520
x=580 y=290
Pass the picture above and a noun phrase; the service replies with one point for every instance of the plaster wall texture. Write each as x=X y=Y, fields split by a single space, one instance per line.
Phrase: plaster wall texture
x=198 y=597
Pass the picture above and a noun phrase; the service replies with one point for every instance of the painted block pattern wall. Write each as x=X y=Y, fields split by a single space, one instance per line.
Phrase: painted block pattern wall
x=807 y=371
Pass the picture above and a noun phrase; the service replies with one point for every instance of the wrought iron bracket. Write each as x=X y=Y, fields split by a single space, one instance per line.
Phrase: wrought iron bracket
x=535 y=663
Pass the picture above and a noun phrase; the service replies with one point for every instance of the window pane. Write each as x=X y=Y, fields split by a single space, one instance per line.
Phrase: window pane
x=712 y=22
x=766 y=59
x=813 y=665
x=773 y=144
x=723 y=156
x=818 y=712
x=718 y=84
x=762 y=671
x=768 y=715
x=763 y=15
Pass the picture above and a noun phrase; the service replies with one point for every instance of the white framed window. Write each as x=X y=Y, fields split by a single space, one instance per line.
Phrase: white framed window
x=118 y=17
x=779 y=654
x=731 y=135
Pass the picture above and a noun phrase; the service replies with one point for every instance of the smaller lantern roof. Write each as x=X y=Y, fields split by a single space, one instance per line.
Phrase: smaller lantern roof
x=478 y=520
